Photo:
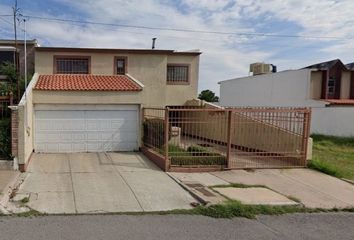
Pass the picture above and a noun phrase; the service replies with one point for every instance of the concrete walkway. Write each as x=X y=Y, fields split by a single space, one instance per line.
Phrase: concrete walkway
x=313 y=189
x=7 y=183
x=99 y=182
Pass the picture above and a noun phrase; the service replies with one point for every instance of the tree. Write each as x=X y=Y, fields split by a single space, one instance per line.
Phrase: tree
x=208 y=96
x=8 y=69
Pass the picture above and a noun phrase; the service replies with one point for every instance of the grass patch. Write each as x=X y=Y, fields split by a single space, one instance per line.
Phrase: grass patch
x=24 y=200
x=333 y=156
x=30 y=213
x=231 y=209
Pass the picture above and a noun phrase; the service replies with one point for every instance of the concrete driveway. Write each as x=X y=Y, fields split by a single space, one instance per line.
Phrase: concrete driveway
x=99 y=182
x=312 y=188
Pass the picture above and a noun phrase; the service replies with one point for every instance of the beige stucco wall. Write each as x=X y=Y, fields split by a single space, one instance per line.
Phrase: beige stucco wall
x=175 y=93
x=345 y=86
x=149 y=69
x=86 y=97
x=25 y=124
x=316 y=85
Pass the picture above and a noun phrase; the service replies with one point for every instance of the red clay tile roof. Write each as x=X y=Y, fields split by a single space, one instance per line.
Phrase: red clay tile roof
x=340 y=101
x=86 y=82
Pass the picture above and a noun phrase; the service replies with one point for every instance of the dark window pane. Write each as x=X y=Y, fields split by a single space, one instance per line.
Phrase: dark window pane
x=120 y=66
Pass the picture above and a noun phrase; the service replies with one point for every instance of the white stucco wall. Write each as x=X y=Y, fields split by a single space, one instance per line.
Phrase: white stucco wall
x=25 y=123
x=337 y=121
x=287 y=89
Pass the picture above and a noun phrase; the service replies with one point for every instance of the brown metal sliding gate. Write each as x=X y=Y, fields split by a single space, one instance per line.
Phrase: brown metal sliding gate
x=197 y=138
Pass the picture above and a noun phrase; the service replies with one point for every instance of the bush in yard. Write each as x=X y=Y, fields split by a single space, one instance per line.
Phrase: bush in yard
x=5 y=141
x=196 y=155
x=154 y=132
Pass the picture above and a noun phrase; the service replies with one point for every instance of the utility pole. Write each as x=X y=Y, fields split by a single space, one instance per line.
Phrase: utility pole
x=16 y=60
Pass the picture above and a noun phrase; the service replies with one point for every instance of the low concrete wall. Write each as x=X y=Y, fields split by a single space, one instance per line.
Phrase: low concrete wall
x=336 y=121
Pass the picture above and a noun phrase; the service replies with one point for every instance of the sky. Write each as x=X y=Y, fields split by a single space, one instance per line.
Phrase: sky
x=326 y=27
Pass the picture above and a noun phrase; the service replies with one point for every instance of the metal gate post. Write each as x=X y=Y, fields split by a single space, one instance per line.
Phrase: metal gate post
x=167 y=164
x=229 y=129
x=306 y=131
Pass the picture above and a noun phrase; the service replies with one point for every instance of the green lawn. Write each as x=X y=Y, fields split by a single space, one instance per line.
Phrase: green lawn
x=333 y=155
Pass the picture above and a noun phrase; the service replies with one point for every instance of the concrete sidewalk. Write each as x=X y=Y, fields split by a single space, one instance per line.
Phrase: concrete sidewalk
x=99 y=183
x=313 y=189
x=8 y=179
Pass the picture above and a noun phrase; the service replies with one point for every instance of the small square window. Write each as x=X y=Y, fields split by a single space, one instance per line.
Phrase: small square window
x=177 y=74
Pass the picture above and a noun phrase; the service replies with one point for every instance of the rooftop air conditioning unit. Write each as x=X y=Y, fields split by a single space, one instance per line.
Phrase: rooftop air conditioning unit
x=260 y=68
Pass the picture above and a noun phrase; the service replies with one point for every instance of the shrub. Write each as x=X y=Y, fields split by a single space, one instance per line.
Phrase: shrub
x=154 y=132
x=5 y=140
x=196 y=155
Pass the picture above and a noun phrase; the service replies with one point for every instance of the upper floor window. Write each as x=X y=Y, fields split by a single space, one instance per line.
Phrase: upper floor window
x=177 y=74
x=120 y=65
x=331 y=86
x=71 y=65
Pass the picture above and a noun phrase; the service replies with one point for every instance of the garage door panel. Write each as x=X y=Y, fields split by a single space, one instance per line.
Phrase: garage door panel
x=79 y=147
x=86 y=130
x=65 y=147
x=78 y=136
x=127 y=137
x=52 y=147
x=60 y=114
x=66 y=136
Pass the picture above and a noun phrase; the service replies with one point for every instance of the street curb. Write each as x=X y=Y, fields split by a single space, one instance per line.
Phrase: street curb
x=14 y=183
x=348 y=181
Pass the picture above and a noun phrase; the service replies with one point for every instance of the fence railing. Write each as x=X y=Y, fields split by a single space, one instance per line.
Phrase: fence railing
x=5 y=101
x=228 y=138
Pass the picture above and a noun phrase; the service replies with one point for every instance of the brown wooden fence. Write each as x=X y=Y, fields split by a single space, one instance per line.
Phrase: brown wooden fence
x=202 y=139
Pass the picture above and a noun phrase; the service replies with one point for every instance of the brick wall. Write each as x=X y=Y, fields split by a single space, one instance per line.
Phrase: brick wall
x=14 y=132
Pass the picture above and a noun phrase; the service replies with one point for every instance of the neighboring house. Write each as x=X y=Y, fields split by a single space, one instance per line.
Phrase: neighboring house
x=9 y=53
x=90 y=100
x=327 y=87
x=350 y=66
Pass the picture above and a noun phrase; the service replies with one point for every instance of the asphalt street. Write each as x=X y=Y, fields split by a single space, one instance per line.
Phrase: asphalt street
x=295 y=226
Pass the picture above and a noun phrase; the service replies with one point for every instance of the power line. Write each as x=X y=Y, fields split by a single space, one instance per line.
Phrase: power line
x=192 y=30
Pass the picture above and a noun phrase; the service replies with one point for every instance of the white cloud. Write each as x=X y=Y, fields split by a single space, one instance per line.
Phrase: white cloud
x=224 y=56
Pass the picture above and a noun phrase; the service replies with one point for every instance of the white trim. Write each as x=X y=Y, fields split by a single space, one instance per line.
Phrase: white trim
x=13 y=108
x=29 y=89
x=135 y=80
x=90 y=107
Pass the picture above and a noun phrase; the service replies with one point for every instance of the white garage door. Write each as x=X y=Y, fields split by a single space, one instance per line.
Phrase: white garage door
x=86 y=130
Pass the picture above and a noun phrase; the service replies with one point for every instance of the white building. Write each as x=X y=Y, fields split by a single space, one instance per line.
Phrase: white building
x=328 y=88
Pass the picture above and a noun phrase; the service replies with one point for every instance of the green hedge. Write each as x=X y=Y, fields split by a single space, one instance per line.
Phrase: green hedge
x=5 y=138
x=195 y=155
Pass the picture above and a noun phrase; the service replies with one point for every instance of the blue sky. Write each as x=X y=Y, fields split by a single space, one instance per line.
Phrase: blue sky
x=224 y=56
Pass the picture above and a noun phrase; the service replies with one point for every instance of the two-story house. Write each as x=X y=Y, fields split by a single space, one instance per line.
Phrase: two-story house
x=14 y=53
x=326 y=87
x=91 y=100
